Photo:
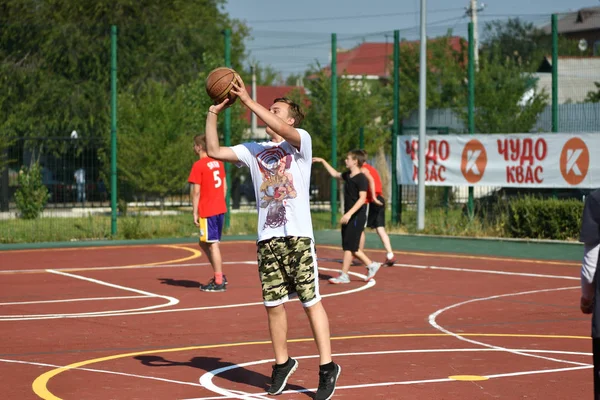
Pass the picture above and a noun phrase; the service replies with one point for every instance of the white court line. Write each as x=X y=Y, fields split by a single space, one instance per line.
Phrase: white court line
x=117 y=267
x=102 y=371
x=206 y=379
x=87 y=315
x=145 y=311
x=72 y=300
x=170 y=301
x=432 y=321
x=486 y=271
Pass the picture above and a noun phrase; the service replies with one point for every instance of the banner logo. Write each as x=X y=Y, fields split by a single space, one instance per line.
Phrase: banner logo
x=473 y=161
x=574 y=161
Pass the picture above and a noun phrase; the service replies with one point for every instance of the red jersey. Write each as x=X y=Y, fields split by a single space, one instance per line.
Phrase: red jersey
x=377 y=179
x=210 y=175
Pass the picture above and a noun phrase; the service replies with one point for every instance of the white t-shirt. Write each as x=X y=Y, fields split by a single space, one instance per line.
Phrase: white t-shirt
x=80 y=175
x=281 y=178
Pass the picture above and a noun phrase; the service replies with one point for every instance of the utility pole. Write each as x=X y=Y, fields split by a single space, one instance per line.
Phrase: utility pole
x=472 y=11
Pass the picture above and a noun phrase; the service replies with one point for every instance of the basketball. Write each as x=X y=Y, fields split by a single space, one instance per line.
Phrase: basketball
x=218 y=84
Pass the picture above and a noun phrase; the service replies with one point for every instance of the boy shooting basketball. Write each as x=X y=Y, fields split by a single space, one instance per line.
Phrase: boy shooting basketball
x=287 y=262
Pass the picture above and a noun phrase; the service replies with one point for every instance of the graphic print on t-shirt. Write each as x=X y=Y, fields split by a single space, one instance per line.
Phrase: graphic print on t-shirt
x=277 y=186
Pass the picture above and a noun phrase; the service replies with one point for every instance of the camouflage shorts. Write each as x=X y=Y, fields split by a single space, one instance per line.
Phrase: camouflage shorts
x=288 y=266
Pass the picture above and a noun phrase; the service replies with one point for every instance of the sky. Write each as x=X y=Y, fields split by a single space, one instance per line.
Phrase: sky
x=290 y=36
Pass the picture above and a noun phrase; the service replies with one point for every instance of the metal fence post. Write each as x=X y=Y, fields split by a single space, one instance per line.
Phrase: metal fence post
x=113 y=129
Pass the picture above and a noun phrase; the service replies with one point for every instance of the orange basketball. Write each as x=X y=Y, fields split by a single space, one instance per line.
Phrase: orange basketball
x=218 y=84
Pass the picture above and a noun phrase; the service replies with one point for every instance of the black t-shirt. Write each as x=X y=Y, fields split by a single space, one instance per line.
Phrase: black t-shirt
x=352 y=187
x=590 y=235
x=590 y=221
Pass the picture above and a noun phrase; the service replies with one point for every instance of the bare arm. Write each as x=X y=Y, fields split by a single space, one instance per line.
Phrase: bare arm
x=278 y=125
x=332 y=171
x=225 y=186
x=195 y=202
x=588 y=270
x=366 y=172
x=362 y=196
x=213 y=148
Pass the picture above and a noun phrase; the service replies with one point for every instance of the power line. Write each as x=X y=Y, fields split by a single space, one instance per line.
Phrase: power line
x=272 y=21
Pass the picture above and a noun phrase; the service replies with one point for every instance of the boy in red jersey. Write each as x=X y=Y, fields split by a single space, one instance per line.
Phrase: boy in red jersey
x=208 y=202
x=376 y=213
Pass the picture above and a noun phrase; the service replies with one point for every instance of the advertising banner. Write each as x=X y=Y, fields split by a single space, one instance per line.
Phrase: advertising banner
x=553 y=160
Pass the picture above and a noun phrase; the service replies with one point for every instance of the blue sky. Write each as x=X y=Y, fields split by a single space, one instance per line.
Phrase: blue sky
x=292 y=35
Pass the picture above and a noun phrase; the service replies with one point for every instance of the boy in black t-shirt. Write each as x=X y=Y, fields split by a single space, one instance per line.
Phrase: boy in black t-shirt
x=590 y=290
x=355 y=213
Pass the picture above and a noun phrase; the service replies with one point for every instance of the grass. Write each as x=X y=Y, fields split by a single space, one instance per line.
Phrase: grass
x=98 y=227
x=438 y=221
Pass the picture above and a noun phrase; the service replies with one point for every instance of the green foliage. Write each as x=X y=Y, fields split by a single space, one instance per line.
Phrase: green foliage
x=357 y=107
x=446 y=69
x=523 y=43
x=97 y=227
x=154 y=151
x=55 y=57
x=593 y=97
x=31 y=195
x=537 y=218
x=265 y=75
x=499 y=90
x=156 y=132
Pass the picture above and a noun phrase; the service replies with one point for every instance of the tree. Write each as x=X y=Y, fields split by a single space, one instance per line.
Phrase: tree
x=523 y=43
x=56 y=56
x=266 y=75
x=156 y=130
x=593 y=97
x=358 y=106
x=499 y=92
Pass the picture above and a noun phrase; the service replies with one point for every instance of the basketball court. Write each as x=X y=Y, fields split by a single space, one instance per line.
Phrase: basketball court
x=129 y=322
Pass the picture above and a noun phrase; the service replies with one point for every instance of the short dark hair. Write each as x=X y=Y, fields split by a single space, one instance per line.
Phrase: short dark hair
x=359 y=156
x=295 y=110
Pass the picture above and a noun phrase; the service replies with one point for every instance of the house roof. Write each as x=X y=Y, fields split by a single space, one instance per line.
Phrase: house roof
x=576 y=77
x=265 y=96
x=583 y=20
x=374 y=59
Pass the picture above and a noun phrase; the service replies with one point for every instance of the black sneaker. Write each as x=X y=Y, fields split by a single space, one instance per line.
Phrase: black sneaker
x=211 y=286
x=280 y=376
x=327 y=381
x=224 y=280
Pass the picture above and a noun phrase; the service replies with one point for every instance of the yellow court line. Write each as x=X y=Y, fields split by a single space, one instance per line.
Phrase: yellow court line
x=55 y=249
x=40 y=384
x=471 y=257
x=195 y=254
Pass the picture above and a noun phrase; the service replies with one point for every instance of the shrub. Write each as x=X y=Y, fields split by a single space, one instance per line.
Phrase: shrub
x=31 y=195
x=537 y=218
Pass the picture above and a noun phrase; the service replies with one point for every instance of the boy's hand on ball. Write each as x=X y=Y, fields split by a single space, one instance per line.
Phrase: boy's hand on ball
x=218 y=107
x=239 y=89
x=586 y=305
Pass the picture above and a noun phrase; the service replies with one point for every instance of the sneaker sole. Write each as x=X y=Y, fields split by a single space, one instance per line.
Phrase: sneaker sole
x=294 y=368
x=336 y=379
x=338 y=283
x=214 y=291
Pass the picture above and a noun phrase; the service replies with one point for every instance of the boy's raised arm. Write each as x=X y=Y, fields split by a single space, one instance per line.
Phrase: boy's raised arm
x=213 y=149
x=332 y=171
x=287 y=132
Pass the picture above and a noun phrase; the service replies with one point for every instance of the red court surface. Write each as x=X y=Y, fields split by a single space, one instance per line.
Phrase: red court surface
x=130 y=323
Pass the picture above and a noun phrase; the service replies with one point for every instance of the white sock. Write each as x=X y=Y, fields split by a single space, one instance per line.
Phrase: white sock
x=390 y=256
